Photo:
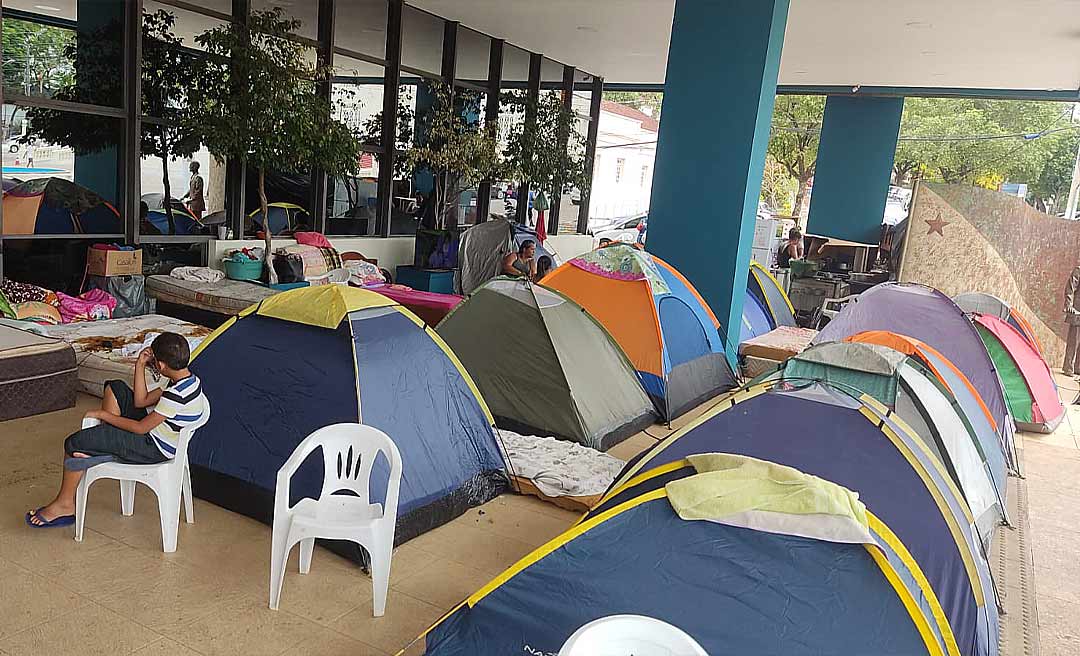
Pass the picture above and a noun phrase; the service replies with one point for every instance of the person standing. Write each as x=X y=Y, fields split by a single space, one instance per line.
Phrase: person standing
x=1072 y=318
x=196 y=201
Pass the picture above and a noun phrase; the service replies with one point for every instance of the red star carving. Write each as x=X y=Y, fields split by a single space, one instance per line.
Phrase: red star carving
x=936 y=225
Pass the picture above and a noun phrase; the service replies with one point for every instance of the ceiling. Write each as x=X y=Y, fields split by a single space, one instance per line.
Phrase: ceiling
x=995 y=44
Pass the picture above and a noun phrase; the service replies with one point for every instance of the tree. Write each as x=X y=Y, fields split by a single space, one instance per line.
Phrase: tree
x=165 y=71
x=549 y=153
x=458 y=152
x=778 y=188
x=796 y=132
x=36 y=57
x=256 y=100
x=649 y=102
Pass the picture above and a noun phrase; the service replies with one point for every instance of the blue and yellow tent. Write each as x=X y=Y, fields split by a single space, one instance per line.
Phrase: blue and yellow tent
x=315 y=356
x=857 y=443
x=745 y=556
x=767 y=290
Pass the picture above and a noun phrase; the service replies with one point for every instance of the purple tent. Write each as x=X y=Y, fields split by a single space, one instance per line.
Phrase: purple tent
x=932 y=317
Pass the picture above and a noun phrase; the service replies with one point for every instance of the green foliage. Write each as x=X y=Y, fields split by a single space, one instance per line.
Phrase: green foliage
x=36 y=57
x=371 y=133
x=778 y=188
x=793 y=144
x=535 y=153
x=643 y=101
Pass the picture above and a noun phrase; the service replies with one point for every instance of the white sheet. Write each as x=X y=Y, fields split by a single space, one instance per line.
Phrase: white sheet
x=559 y=468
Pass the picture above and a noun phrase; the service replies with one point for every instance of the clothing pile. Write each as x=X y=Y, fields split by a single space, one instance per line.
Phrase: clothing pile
x=26 y=302
x=197 y=274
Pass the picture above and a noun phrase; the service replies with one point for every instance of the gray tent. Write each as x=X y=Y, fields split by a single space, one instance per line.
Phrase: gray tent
x=484 y=246
x=545 y=366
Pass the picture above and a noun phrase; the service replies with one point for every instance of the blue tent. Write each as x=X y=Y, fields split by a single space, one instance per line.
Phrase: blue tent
x=823 y=431
x=755 y=319
x=733 y=589
x=314 y=356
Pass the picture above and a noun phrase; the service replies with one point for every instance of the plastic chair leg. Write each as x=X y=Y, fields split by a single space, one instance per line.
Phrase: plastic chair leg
x=169 y=510
x=306 y=548
x=380 y=577
x=80 y=507
x=189 y=509
x=127 y=498
x=279 y=556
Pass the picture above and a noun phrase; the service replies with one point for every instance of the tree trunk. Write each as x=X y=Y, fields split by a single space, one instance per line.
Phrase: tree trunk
x=271 y=275
x=168 y=192
x=800 y=198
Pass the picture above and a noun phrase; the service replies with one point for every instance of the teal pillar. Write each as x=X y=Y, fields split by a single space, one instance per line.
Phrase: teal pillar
x=718 y=102
x=854 y=167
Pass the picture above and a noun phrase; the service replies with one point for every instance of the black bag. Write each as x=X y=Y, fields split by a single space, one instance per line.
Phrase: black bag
x=289 y=268
x=129 y=292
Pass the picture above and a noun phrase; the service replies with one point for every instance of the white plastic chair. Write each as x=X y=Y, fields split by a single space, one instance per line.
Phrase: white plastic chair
x=630 y=635
x=170 y=481
x=349 y=453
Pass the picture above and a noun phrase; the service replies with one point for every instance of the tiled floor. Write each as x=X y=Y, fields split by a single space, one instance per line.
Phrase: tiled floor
x=117 y=593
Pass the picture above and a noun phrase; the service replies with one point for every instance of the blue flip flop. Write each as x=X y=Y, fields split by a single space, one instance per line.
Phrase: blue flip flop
x=82 y=464
x=63 y=520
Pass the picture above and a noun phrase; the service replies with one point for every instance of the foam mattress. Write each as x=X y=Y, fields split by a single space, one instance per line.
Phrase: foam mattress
x=37 y=374
x=226 y=297
x=107 y=350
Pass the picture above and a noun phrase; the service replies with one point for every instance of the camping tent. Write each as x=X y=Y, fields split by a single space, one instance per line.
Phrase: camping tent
x=931 y=317
x=978 y=302
x=757 y=576
x=54 y=206
x=755 y=318
x=484 y=246
x=183 y=219
x=284 y=217
x=914 y=393
x=658 y=319
x=545 y=367
x=822 y=430
x=997 y=454
x=767 y=290
x=315 y=356
x=1029 y=384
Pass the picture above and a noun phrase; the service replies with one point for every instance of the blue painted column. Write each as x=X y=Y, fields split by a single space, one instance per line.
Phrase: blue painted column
x=854 y=166
x=718 y=102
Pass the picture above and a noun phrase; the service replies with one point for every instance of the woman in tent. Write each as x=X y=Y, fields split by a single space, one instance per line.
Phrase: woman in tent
x=522 y=263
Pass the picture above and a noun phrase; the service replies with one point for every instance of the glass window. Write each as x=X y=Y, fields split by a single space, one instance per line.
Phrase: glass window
x=551 y=74
x=186 y=24
x=620 y=164
x=421 y=40
x=515 y=73
x=360 y=26
x=305 y=11
x=159 y=167
x=46 y=143
x=358 y=97
x=473 y=57
x=353 y=200
x=82 y=62
x=289 y=197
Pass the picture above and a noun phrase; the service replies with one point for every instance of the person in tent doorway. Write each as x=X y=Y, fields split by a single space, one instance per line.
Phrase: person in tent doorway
x=196 y=200
x=521 y=264
x=543 y=266
x=1072 y=318
x=792 y=249
x=137 y=426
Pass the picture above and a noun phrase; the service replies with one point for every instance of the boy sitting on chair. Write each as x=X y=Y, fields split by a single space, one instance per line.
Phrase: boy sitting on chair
x=137 y=426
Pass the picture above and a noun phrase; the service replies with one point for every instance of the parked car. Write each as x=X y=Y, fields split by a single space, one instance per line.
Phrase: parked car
x=625 y=229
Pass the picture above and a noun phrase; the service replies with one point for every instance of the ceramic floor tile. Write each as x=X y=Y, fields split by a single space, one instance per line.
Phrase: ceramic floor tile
x=521 y=518
x=330 y=643
x=332 y=587
x=444 y=584
x=1059 y=628
x=166 y=647
x=405 y=619
x=102 y=563
x=248 y=628
x=27 y=599
x=89 y=630
x=475 y=547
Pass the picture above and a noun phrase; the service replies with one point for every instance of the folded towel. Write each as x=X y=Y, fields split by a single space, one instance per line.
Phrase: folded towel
x=198 y=274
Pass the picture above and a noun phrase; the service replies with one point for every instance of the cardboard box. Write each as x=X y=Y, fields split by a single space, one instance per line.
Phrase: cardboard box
x=113 y=263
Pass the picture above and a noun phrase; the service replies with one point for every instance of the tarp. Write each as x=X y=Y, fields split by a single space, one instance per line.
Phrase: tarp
x=276 y=380
x=284 y=217
x=545 y=366
x=1027 y=380
x=54 y=206
x=184 y=221
x=931 y=317
x=642 y=558
x=768 y=291
x=658 y=319
x=827 y=433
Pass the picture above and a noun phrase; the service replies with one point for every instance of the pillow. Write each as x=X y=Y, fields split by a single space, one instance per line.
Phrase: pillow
x=312 y=239
x=36 y=311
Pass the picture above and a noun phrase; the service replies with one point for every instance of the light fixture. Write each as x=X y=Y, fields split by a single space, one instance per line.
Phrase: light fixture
x=47 y=8
x=587 y=28
x=918 y=25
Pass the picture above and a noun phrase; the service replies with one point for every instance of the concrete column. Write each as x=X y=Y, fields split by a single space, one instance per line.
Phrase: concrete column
x=854 y=166
x=718 y=102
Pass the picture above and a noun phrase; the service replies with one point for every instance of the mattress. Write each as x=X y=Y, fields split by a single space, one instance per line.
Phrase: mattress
x=224 y=297
x=107 y=350
x=778 y=345
x=37 y=374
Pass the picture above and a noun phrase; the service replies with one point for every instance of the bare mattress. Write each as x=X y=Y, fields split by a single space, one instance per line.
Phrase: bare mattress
x=37 y=374
x=106 y=350
x=224 y=297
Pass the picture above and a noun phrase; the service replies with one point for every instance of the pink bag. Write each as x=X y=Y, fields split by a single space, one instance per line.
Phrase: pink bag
x=312 y=239
x=90 y=306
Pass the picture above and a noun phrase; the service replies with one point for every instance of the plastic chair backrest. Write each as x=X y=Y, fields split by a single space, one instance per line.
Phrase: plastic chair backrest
x=349 y=454
x=187 y=432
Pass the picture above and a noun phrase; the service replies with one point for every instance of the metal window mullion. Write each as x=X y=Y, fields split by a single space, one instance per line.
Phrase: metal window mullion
x=389 y=119
x=131 y=152
x=1 y=204
x=590 y=152
x=569 y=72
x=532 y=97
x=65 y=105
x=491 y=121
x=236 y=170
x=325 y=54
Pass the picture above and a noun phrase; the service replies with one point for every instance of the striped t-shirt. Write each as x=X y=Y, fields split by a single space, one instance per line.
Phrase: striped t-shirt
x=182 y=404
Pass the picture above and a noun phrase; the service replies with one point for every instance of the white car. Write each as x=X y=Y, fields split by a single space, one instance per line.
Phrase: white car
x=624 y=230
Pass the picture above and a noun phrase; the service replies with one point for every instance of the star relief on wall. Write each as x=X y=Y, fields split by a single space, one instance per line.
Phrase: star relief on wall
x=937 y=225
